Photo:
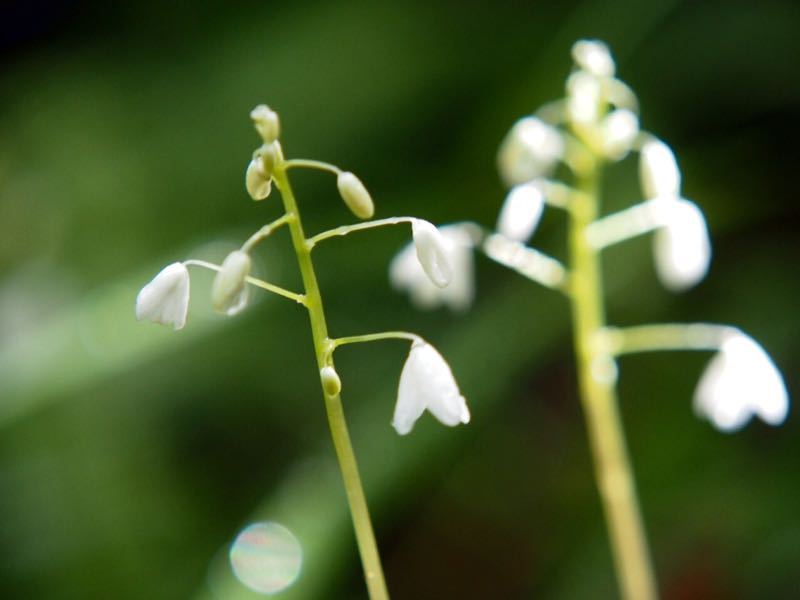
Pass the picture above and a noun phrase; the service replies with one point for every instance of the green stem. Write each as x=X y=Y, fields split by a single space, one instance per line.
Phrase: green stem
x=666 y=336
x=374 y=337
x=311 y=164
x=597 y=384
x=365 y=537
x=264 y=233
x=275 y=289
x=348 y=229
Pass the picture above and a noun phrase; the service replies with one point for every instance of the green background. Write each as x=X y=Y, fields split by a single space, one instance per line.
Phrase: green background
x=131 y=455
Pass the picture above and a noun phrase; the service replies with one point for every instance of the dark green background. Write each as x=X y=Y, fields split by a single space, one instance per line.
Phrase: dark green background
x=130 y=455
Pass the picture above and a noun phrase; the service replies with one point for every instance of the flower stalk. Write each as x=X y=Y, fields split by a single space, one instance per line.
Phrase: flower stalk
x=597 y=380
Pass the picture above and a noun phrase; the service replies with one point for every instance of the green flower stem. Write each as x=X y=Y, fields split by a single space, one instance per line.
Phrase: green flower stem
x=598 y=393
x=374 y=337
x=348 y=229
x=365 y=537
x=527 y=261
x=264 y=233
x=304 y=163
x=666 y=336
x=299 y=298
x=626 y=224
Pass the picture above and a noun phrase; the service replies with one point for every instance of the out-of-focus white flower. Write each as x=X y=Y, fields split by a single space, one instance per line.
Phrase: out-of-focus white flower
x=355 y=195
x=165 y=299
x=530 y=149
x=433 y=252
x=594 y=57
x=619 y=130
x=229 y=290
x=427 y=383
x=584 y=95
x=406 y=273
x=658 y=170
x=521 y=212
x=739 y=382
x=681 y=246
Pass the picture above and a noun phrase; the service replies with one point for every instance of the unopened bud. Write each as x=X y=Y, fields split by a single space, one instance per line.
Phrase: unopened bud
x=355 y=195
x=330 y=381
x=266 y=121
x=257 y=181
x=229 y=290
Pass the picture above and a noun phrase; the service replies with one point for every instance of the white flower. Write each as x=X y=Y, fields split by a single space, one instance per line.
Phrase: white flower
x=165 y=299
x=681 y=246
x=658 y=170
x=619 y=130
x=355 y=195
x=433 y=252
x=406 y=273
x=266 y=122
x=739 y=382
x=531 y=149
x=593 y=56
x=521 y=212
x=229 y=290
x=427 y=383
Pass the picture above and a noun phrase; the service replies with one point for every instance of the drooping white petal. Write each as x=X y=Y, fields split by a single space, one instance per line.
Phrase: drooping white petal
x=739 y=382
x=406 y=273
x=427 y=382
x=165 y=299
x=521 y=212
x=681 y=248
x=619 y=130
x=531 y=149
x=584 y=95
x=658 y=170
x=433 y=252
x=229 y=291
x=593 y=56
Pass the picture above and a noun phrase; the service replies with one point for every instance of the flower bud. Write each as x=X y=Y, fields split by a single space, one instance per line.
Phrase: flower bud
x=257 y=181
x=355 y=195
x=229 y=290
x=266 y=121
x=593 y=56
x=531 y=149
x=521 y=212
x=330 y=380
x=433 y=252
x=619 y=130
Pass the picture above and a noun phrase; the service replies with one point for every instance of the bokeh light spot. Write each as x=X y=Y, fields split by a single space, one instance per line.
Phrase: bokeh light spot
x=266 y=557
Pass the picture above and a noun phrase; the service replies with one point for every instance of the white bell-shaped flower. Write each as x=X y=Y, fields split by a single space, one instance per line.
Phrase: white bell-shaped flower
x=427 y=383
x=521 y=212
x=619 y=130
x=593 y=56
x=433 y=252
x=229 y=290
x=739 y=382
x=165 y=299
x=681 y=247
x=531 y=149
x=658 y=171
x=406 y=272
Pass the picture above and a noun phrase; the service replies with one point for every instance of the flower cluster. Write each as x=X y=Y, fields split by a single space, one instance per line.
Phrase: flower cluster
x=435 y=261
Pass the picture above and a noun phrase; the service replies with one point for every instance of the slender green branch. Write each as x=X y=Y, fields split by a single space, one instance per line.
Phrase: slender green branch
x=373 y=337
x=299 y=298
x=264 y=233
x=526 y=261
x=664 y=336
x=365 y=536
x=348 y=229
x=310 y=164
x=597 y=384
